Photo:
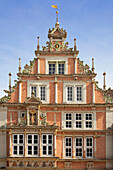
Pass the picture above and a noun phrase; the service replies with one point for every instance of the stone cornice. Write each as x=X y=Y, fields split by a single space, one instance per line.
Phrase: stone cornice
x=86 y=160
x=53 y=128
x=53 y=105
x=57 y=52
x=32 y=158
x=57 y=75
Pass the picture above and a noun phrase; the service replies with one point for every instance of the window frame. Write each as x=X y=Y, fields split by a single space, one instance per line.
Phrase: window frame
x=79 y=94
x=79 y=147
x=74 y=84
x=68 y=147
x=73 y=120
x=32 y=145
x=18 y=145
x=79 y=121
x=47 y=145
x=61 y=68
x=68 y=93
x=49 y=68
x=89 y=147
x=69 y=121
x=40 y=92
x=38 y=83
x=88 y=121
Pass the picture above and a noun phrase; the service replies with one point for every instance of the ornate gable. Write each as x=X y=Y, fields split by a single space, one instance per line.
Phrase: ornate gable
x=30 y=100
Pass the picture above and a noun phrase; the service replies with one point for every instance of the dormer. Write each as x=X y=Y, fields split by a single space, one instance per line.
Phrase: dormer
x=57 y=37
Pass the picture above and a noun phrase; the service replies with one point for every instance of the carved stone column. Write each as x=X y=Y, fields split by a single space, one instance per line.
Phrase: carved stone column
x=94 y=139
x=55 y=89
x=38 y=61
x=63 y=145
x=19 y=99
x=25 y=146
x=93 y=91
x=84 y=146
x=27 y=116
x=55 y=133
x=73 y=141
x=40 y=143
x=75 y=66
x=56 y=69
x=10 y=143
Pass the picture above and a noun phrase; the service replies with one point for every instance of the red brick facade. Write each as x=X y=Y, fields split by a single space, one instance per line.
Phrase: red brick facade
x=68 y=93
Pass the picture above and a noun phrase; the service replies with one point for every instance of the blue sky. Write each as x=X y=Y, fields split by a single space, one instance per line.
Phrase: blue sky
x=89 y=21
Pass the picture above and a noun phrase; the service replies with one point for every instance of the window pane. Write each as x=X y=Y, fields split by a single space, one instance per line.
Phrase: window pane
x=20 y=150
x=78 y=124
x=68 y=120
x=49 y=139
x=89 y=142
x=79 y=93
x=68 y=124
x=29 y=150
x=44 y=139
x=68 y=141
x=51 y=68
x=79 y=152
x=20 y=138
x=29 y=139
x=78 y=116
x=44 y=150
x=15 y=150
x=78 y=141
x=42 y=93
x=61 y=68
x=15 y=139
x=89 y=152
x=35 y=150
x=88 y=116
x=88 y=124
x=78 y=120
x=35 y=139
x=69 y=94
x=49 y=150
x=68 y=152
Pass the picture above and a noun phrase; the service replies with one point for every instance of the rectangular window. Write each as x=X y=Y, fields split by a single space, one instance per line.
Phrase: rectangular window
x=61 y=68
x=69 y=93
x=52 y=68
x=18 y=144
x=33 y=90
x=79 y=93
x=32 y=145
x=68 y=147
x=88 y=120
x=42 y=93
x=47 y=145
x=68 y=117
x=89 y=147
x=78 y=147
x=78 y=120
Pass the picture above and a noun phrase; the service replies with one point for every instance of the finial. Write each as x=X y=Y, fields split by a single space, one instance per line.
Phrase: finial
x=10 y=82
x=104 y=86
x=75 y=47
x=93 y=65
x=19 y=65
x=57 y=23
x=38 y=46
